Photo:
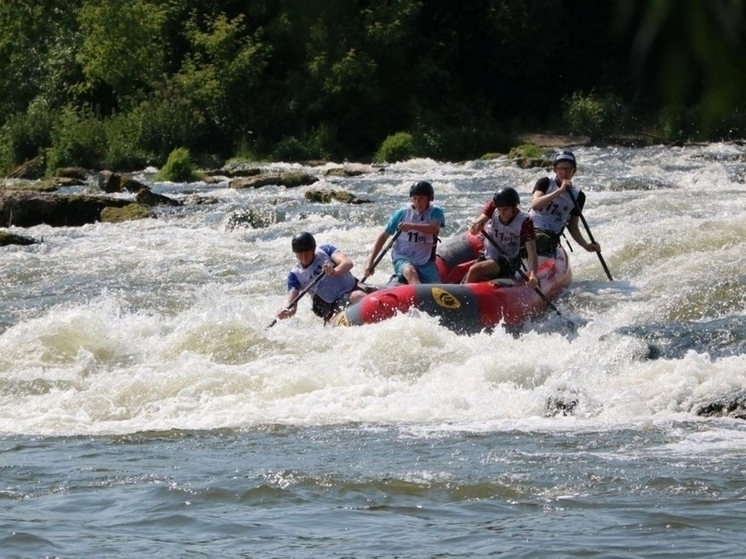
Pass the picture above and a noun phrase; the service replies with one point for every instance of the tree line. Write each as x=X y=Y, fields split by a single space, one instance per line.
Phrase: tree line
x=122 y=83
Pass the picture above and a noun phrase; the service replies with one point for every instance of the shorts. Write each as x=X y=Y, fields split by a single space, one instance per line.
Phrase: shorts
x=508 y=268
x=427 y=272
x=327 y=310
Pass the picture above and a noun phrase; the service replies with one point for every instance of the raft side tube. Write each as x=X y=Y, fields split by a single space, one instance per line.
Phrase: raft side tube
x=465 y=308
x=456 y=254
x=378 y=306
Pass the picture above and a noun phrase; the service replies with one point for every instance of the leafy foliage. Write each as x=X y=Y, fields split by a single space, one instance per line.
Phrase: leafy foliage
x=78 y=139
x=593 y=115
x=529 y=150
x=123 y=83
x=397 y=147
x=37 y=53
x=122 y=44
x=179 y=167
x=25 y=135
x=124 y=133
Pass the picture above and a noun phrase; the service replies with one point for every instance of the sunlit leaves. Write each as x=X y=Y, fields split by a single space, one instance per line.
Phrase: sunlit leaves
x=123 y=42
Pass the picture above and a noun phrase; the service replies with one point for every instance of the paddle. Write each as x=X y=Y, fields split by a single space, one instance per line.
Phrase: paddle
x=382 y=253
x=300 y=295
x=525 y=277
x=590 y=235
x=567 y=242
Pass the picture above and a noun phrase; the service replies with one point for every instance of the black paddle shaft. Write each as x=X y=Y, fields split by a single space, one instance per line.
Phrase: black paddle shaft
x=382 y=253
x=590 y=235
x=300 y=295
x=521 y=272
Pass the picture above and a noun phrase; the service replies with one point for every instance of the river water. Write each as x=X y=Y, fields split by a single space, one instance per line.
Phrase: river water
x=146 y=409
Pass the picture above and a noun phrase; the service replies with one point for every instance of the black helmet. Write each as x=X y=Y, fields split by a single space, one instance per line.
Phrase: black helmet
x=506 y=197
x=303 y=242
x=565 y=156
x=422 y=188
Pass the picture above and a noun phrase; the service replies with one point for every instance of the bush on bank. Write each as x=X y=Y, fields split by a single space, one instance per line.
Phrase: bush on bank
x=397 y=147
x=178 y=168
x=147 y=134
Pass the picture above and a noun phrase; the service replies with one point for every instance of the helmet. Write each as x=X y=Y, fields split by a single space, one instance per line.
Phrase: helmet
x=506 y=197
x=565 y=156
x=422 y=188
x=303 y=242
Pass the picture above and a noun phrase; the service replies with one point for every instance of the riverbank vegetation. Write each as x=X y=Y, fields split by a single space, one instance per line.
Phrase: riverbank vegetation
x=121 y=84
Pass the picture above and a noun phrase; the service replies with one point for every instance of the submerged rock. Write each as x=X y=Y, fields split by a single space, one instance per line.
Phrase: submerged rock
x=288 y=180
x=8 y=238
x=326 y=196
x=255 y=218
x=233 y=173
x=562 y=403
x=351 y=170
x=733 y=405
x=129 y=212
x=27 y=208
x=149 y=198
x=116 y=182
x=533 y=162
x=721 y=337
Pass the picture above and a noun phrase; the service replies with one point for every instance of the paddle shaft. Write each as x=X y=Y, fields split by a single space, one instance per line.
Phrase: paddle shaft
x=590 y=235
x=541 y=294
x=382 y=253
x=300 y=295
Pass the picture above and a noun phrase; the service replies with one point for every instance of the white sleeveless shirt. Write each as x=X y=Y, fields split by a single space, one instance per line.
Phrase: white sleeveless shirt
x=330 y=288
x=507 y=236
x=555 y=215
x=414 y=246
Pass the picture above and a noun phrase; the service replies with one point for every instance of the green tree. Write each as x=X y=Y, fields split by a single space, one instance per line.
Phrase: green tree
x=123 y=46
x=37 y=53
x=223 y=71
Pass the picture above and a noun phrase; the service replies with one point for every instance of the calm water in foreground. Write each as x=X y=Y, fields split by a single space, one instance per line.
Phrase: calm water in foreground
x=146 y=410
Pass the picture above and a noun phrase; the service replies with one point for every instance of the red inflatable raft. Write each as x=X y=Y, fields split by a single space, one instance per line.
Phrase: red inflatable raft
x=465 y=308
x=456 y=254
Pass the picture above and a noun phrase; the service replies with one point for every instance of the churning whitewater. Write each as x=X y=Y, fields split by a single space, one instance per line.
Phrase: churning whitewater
x=145 y=405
